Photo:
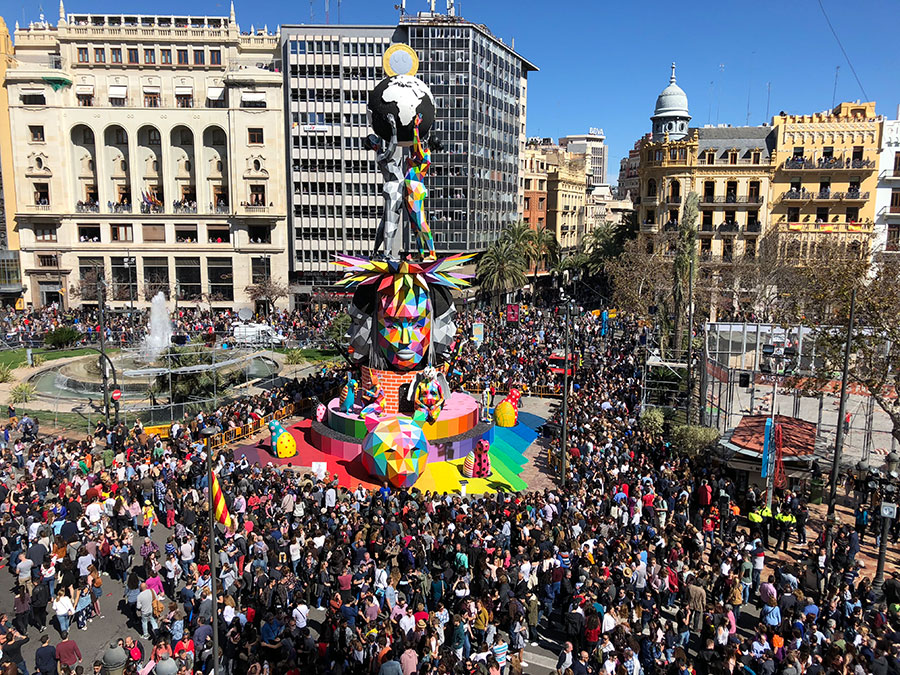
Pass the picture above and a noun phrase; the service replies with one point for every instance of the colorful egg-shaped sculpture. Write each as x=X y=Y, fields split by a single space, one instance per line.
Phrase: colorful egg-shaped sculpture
x=283 y=443
x=469 y=465
x=395 y=450
x=505 y=414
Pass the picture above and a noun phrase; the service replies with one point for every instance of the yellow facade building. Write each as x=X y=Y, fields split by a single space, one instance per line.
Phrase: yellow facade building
x=10 y=272
x=825 y=179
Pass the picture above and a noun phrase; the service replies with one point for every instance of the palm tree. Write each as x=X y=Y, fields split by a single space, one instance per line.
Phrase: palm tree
x=502 y=268
x=546 y=249
x=521 y=237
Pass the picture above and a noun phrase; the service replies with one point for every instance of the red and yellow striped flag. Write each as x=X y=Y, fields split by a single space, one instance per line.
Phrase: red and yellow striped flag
x=219 y=506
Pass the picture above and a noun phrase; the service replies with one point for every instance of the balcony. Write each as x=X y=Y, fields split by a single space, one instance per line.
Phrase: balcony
x=184 y=208
x=827 y=164
x=729 y=227
x=732 y=199
x=650 y=200
x=826 y=196
x=87 y=207
x=256 y=209
x=150 y=208
x=706 y=228
x=796 y=196
x=852 y=227
x=671 y=226
x=221 y=208
x=753 y=228
x=853 y=196
x=39 y=207
x=890 y=175
x=113 y=207
x=649 y=227
x=673 y=199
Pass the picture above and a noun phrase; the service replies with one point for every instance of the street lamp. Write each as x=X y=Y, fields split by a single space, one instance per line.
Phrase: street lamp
x=885 y=488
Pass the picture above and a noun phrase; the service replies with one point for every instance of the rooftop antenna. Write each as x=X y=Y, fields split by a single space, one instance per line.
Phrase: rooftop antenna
x=339 y=11
x=719 y=96
x=312 y=12
x=837 y=69
x=327 y=13
x=431 y=4
x=451 y=11
x=749 y=89
x=768 y=98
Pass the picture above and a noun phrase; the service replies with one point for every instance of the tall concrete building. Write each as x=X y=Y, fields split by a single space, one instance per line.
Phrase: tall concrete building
x=334 y=196
x=591 y=144
x=475 y=183
x=148 y=150
x=480 y=85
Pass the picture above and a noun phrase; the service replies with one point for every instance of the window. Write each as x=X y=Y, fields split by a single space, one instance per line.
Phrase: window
x=123 y=232
x=218 y=234
x=99 y=55
x=47 y=261
x=34 y=99
x=186 y=234
x=199 y=57
x=260 y=234
x=852 y=214
x=187 y=278
x=215 y=57
x=750 y=248
x=89 y=233
x=37 y=133
x=124 y=278
x=115 y=55
x=257 y=195
x=822 y=214
x=153 y=137
x=82 y=55
x=221 y=279
x=184 y=101
x=149 y=56
x=260 y=270
x=151 y=100
x=756 y=157
x=707 y=218
x=154 y=233
x=705 y=247
x=793 y=214
x=732 y=157
x=85 y=100
x=165 y=57
x=182 y=57
x=156 y=277
x=132 y=55
x=893 y=237
x=45 y=233
x=255 y=136
x=710 y=157
x=42 y=194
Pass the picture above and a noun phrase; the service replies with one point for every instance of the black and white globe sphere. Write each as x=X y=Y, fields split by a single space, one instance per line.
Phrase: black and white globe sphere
x=404 y=97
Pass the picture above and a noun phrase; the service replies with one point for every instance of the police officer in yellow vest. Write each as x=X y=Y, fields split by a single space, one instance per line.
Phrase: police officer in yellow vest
x=785 y=523
x=755 y=518
x=766 y=514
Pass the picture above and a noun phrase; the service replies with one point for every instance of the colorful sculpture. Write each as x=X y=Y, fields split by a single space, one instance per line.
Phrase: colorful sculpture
x=505 y=414
x=283 y=443
x=375 y=396
x=419 y=161
x=348 y=393
x=514 y=396
x=395 y=450
x=320 y=412
x=477 y=463
x=402 y=313
x=429 y=396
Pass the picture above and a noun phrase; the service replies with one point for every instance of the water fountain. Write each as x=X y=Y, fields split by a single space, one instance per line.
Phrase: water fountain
x=160 y=336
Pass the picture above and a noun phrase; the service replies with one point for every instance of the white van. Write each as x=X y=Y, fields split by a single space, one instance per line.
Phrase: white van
x=257 y=334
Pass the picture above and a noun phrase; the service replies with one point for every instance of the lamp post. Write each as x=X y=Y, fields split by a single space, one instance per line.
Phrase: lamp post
x=101 y=300
x=887 y=490
x=130 y=265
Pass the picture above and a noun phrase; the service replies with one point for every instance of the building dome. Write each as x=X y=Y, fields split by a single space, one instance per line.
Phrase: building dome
x=671 y=114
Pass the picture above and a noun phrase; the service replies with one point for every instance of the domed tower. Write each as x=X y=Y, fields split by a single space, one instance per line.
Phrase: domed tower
x=671 y=115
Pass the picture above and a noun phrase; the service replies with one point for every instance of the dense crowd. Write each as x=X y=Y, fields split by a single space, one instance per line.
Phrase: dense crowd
x=643 y=564
x=125 y=328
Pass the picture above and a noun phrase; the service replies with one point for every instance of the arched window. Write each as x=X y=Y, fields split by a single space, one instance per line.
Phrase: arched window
x=256 y=165
x=651 y=187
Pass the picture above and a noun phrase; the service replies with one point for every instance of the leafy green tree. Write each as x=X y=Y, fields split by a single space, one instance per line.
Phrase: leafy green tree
x=62 y=337
x=338 y=328
x=199 y=385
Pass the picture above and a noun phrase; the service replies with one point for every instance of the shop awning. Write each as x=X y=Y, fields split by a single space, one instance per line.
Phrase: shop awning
x=253 y=97
x=151 y=90
x=183 y=91
x=84 y=89
x=118 y=91
x=215 y=93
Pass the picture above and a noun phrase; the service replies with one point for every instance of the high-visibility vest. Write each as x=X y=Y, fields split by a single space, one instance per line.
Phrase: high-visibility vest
x=754 y=517
x=766 y=512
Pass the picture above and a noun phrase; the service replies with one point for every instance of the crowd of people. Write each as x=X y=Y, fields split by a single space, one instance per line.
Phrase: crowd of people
x=643 y=563
x=126 y=328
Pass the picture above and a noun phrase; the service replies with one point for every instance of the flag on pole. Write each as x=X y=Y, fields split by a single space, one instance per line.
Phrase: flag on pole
x=219 y=506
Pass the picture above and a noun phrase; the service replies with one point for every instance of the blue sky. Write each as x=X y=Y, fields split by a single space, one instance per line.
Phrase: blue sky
x=603 y=64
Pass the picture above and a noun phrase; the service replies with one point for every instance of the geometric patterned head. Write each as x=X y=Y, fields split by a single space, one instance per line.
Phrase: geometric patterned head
x=403 y=321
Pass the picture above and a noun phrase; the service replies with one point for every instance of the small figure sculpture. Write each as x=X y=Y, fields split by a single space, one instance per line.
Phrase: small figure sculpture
x=348 y=393
x=416 y=192
x=429 y=397
x=478 y=462
x=375 y=397
x=283 y=444
x=389 y=157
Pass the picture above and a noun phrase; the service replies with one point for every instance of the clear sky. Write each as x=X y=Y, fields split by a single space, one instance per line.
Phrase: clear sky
x=602 y=64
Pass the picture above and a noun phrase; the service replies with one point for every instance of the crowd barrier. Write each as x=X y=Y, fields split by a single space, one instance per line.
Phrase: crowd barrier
x=541 y=391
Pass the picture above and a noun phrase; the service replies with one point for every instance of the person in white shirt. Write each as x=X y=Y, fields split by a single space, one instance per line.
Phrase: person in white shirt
x=300 y=614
